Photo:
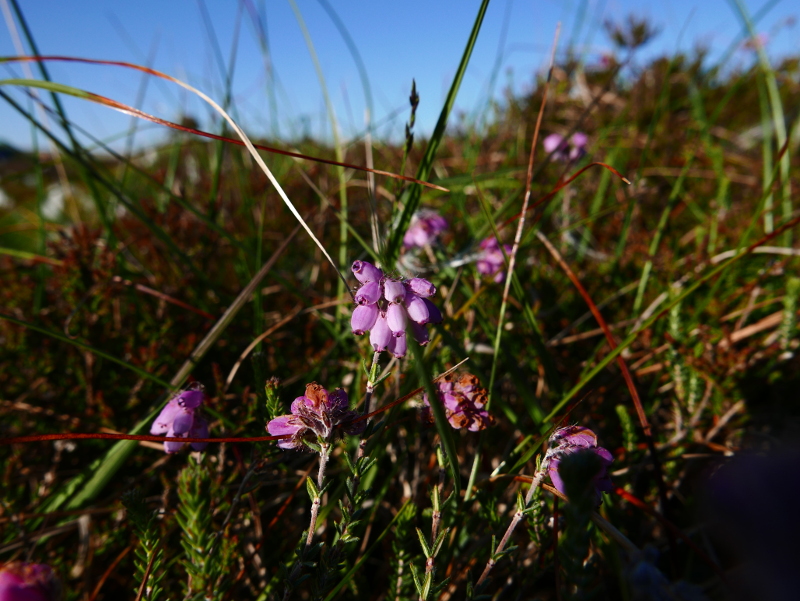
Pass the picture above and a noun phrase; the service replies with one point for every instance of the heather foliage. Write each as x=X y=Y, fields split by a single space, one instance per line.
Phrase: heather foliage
x=567 y=457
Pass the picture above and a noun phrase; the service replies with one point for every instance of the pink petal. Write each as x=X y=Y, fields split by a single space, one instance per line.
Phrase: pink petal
x=396 y=317
x=381 y=335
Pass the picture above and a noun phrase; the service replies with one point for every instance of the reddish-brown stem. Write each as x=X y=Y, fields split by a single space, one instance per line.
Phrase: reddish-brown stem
x=146 y=437
x=518 y=516
x=626 y=374
x=142 y=115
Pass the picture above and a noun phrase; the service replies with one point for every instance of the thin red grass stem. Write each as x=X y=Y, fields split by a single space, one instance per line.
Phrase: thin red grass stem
x=626 y=374
x=145 y=437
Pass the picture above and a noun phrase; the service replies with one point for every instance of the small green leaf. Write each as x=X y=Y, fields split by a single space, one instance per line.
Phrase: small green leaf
x=425 y=548
x=313 y=492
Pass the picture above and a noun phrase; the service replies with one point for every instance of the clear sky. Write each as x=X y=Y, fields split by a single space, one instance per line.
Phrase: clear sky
x=396 y=40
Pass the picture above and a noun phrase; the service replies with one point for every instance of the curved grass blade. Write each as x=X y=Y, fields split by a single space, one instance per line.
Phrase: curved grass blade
x=141 y=114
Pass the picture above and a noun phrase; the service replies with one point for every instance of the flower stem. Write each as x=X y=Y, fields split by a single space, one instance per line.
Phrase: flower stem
x=371 y=381
x=324 y=455
x=518 y=516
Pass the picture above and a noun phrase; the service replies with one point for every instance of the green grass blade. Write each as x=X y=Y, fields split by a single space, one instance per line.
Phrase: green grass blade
x=778 y=119
x=437 y=408
x=411 y=197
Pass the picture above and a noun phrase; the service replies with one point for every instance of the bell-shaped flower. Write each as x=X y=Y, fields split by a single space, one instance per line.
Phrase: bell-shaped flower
x=180 y=418
x=396 y=317
x=577 y=439
x=463 y=400
x=364 y=318
x=366 y=272
x=22 y=581
x=317 y=415
x=368 y=294
x=491 y=260
x=388 y=306
x=380 y=335
x=425 y=227
x=421 y=287
x=566 y=151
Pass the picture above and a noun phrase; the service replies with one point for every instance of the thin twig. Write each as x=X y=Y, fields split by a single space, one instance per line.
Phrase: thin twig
x=518 y=516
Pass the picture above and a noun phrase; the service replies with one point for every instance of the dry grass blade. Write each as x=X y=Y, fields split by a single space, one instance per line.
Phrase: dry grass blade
x=521 y=225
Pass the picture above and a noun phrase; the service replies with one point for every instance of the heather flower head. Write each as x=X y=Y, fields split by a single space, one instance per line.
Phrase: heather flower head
x=463 y=400
x=491 y=260
x=21 y=581
x=315 y=416
x=387 y=306
x=180 y=418
x=756 y=42
x=426 y=225
x=565 y=150
x=577 y=439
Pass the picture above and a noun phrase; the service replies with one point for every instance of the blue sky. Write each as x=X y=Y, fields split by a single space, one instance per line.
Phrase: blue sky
x=397 y=41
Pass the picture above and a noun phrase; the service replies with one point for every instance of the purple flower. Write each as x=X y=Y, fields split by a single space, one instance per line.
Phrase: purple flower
x=491 y=260
x=315 y=416
x=756 y=42
x=20 y=581
x=180 y=419
x=386 y=306
x=565 y=150
x=463 y=401
x=577 y=439
x=426 y=225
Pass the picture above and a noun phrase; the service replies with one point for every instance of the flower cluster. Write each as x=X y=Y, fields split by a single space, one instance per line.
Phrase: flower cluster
x=315 y=416
x=577 y=439
x=565 y=150
x=426 y=225
x=386 y=306
x=463 y=401
x=20 y=581
x=180 y=418
x=491 y=260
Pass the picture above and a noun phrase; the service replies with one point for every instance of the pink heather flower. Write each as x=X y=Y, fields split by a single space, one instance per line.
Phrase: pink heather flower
x=426 y=225
x=564 y=150
x=577 y=439
x=20 y=581
x=386 y=306
x=463 y=401
x=756 y=42
x=180 y=418
x=315 y=416
x=490 y=259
